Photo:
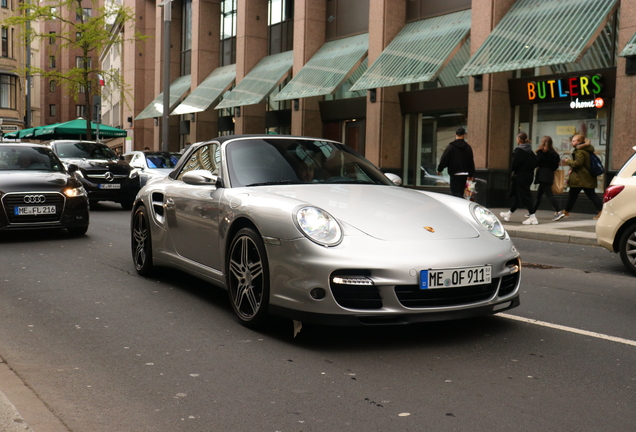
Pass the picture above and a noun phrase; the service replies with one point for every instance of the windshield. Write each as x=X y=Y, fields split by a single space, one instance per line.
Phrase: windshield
x=84 y=150
x=294 y=161
x=29 y=158
x=162 y=160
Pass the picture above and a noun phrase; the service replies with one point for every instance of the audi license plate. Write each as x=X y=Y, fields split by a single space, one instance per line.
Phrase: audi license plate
x=109 y=186
x=34 y=210
x=455 y=277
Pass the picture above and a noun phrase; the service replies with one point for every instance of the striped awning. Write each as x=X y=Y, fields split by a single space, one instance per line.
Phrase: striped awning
x=537 y=33
x=260 y=81
x=419 y=52
x=177 y=89
x=328 y=68
x=630 y=48
x=206 y=93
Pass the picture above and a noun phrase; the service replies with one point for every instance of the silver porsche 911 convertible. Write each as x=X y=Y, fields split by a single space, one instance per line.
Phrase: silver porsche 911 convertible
x=308 y=229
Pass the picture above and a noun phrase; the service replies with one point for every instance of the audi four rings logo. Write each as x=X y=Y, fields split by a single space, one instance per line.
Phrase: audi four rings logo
x=34 y=199
x=109 y=176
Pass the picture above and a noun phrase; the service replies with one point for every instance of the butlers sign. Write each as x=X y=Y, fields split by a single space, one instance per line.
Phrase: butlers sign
x=585 y=90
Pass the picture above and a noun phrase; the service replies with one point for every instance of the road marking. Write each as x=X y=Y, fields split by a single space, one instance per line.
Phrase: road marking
x=569 y=329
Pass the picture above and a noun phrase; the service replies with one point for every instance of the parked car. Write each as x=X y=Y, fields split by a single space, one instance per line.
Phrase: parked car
x=104 y=175
x=37 y=191
x=616 y=227
x=308 y=229
x=151 y=164
x=429 y=176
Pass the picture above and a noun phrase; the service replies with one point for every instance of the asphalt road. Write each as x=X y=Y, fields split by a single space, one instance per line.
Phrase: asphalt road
x=109 y=351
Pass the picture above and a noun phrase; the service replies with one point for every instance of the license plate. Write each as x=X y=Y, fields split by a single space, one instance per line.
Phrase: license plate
x=110 y=186
x=33 y=210
x=455 y=277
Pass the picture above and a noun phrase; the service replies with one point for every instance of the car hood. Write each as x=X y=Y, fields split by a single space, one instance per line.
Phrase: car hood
x=35 y=181
x=99 y=165
x=383 y=212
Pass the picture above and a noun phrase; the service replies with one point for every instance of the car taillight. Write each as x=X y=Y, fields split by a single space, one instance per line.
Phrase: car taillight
x=611 y=192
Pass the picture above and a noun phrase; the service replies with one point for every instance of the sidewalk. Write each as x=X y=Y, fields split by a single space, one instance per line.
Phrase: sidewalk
x=578 y=228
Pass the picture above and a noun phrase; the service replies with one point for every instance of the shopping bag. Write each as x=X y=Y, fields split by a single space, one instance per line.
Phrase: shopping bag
x=469 y=190
x=559 y=182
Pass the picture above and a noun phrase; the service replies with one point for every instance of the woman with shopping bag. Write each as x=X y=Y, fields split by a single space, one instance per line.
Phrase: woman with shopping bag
x=548 y=162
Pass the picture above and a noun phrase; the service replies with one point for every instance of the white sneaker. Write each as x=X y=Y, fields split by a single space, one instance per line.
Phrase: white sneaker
x=506 y=215
x=532 y=220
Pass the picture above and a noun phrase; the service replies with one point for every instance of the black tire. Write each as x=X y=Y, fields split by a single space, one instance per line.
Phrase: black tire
x=141 y=242
x=247 y=274
x=77 y=231
x=127 y=205
x=627 y=248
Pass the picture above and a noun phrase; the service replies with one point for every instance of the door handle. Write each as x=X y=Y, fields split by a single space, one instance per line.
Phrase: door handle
x=169 y=204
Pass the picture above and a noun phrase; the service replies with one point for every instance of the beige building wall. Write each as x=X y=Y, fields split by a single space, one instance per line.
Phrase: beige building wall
x=489 y=111
x=624 y=111
x=384 y=125
x=309 y=36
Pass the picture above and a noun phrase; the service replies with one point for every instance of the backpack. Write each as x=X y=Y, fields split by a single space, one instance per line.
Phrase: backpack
x=596 y=167
x=532 y=161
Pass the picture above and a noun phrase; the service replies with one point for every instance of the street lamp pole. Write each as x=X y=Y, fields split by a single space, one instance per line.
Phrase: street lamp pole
x=167 y=17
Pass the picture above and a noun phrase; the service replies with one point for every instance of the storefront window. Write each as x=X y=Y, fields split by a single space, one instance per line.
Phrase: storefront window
x=426 y=138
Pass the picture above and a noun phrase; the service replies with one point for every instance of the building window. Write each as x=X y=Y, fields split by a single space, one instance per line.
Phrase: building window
x=4 y=4
x=52 y=110
x=52 y=62
x=80 y=111
x=8 y=91
x=227 y=47
x=87 y=12
x=5 y=42
x=186 y=38
x=52 y=86
x=52 y=37
x=281 y=26
x=79 y=63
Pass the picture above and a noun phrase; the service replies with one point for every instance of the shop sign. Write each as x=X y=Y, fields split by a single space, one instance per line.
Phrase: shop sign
x=582 y=90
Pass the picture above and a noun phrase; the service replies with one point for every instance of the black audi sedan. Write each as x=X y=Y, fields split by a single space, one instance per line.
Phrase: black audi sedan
x=104 y=175
x=37 y=191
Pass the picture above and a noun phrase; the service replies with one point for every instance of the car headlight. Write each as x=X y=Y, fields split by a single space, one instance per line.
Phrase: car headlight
x=133 y=174
x=489 y=221
x=318 y=226
x=75 y=192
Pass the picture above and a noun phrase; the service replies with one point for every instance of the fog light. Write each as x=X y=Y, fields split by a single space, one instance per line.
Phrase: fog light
x=317 y=293
x=352 y=280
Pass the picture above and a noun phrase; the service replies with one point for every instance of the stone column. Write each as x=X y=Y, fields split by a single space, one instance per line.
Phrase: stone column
x=309 y=37
x=624 y=112
x=251 y=47
x=489 y=112
x=138 y=69
x=206 y=23
x=384 y=125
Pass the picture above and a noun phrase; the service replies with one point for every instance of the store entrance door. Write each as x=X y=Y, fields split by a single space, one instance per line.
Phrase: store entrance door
x=354 y=134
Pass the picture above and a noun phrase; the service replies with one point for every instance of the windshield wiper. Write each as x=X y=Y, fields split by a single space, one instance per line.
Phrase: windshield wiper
x=269 y=183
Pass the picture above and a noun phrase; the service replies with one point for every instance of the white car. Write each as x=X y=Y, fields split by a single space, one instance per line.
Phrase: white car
x=152 y=164
x=616 y=228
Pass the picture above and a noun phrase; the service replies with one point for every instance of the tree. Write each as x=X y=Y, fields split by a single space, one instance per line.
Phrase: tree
x=85 y=29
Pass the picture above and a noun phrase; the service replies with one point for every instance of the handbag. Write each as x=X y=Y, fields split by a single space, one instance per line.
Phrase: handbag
x=558 y=185
x=470 y=190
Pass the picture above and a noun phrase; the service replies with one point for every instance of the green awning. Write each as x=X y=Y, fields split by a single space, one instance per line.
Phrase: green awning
x=260 y=81
x=537 y=33
x=328 y=68
x=630 y=48
x=177 y=89
x=211 y=89
x=419 y=52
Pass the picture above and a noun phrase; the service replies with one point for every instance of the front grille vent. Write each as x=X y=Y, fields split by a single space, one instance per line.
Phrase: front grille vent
x=412 y=296
x=355 y=296
x=13 y=200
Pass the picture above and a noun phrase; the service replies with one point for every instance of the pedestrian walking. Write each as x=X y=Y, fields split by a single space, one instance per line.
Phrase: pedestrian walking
x=580 y=177
x=548 y=162
x=524 y=162
x=458 y=158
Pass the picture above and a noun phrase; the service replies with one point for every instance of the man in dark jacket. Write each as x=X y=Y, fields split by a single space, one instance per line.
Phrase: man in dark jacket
x=458 y=158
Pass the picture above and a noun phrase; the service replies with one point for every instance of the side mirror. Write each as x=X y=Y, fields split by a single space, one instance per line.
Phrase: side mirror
x=395 y=179
x=202 y=178
x=72 y=168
